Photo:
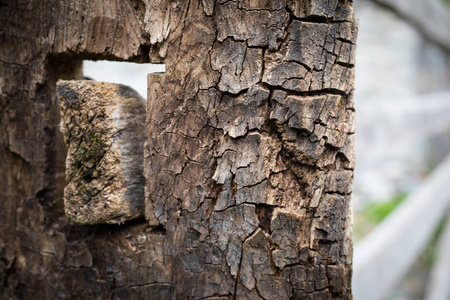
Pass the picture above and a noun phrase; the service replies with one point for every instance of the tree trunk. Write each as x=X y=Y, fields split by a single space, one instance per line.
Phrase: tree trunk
x=248 y=155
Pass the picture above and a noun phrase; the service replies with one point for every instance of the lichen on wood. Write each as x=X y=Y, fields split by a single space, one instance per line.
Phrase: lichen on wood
x=102 y=125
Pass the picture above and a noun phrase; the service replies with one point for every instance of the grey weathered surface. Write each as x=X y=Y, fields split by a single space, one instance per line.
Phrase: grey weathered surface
x=103 y=127
x=248 y=158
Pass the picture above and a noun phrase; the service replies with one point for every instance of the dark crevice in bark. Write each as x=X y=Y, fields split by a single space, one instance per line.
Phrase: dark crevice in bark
x=159 y=230
x=264 y=213
x=319 y=20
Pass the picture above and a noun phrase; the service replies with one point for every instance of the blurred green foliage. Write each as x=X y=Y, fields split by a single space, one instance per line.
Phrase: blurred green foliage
x=377 y=211
x=430 y=255
x=374 y=213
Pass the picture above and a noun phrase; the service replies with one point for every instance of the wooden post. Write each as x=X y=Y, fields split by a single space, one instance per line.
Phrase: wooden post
x=248 y=156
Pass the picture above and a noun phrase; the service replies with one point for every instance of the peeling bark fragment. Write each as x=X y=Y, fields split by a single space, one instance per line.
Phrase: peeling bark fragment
x=102 y=125
x=348 y=152
x=280 y=73
x=326 y=61
x=307 y=44
x=287 y=231
x=235 y=222
x=300 y=294
x=259 y=23
x=337 y=277
x=334 y=76
x=236 y=116
x=339 y=182
x=233 y=256
x=250 y=160
x=208 y=7
x=334 y=115
x=285 y=190
x=240 y=67
x=347 y=32
x=262 y=4
x=299 y=113
x=308 y=278
x=307 y=8
x=309 y=124
x=255 y=259
x=329 y=220
x=226 y=197
x=346 y=53
x=254 y=194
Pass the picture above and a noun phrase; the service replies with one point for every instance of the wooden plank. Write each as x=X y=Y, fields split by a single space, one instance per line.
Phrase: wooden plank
x=439 y=282
x=385 y=255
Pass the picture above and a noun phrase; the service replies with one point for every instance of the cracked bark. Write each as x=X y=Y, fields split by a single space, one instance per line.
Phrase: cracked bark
x=248 y=153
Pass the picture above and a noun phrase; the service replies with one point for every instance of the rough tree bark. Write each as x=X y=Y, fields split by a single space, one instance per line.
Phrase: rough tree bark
x=248 y=157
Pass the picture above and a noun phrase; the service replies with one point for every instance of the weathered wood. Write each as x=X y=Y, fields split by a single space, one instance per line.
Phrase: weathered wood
x=438 y=286
x=103 y=126
x=253 y=155
x=386 y=254
x=249 y=150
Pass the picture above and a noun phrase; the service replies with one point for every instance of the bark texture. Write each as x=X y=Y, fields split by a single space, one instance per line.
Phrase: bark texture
x=103 y=128
x=248 y=156
x=249 y=161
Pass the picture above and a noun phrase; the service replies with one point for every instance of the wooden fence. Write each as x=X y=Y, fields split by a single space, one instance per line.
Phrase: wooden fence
x=383 y=257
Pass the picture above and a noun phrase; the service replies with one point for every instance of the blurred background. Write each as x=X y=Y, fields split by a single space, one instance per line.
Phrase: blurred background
x=402 y=98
